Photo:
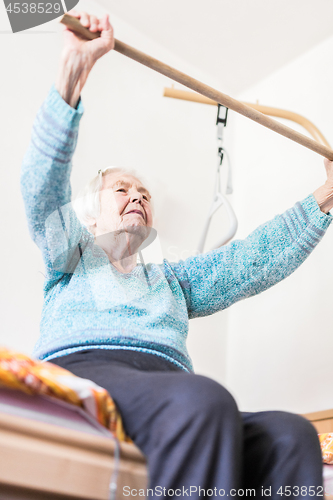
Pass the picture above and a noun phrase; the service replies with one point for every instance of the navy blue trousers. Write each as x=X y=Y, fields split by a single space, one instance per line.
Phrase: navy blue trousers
x=196 y=441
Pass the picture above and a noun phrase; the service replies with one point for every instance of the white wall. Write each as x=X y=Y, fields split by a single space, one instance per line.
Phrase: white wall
x=280 y=343
x=127 y=122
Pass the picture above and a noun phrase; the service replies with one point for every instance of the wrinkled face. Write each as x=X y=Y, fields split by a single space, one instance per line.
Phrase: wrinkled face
x=125 y=203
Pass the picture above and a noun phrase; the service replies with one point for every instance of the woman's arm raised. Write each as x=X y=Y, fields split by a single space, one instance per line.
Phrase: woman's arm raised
x=79 y=55
x=216 y=280
x=46 y=168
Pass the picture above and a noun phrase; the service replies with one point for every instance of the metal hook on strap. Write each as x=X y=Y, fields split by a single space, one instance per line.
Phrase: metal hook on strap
x=219 y=198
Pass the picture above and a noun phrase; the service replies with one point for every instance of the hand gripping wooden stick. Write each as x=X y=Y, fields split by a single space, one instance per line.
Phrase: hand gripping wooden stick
x=74 y=25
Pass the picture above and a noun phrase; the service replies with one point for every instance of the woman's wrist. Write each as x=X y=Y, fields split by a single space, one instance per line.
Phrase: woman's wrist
x=72 y=75
x=324 y=198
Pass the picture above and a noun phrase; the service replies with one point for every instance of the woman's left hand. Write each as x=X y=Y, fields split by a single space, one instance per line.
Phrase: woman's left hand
x=324 y=194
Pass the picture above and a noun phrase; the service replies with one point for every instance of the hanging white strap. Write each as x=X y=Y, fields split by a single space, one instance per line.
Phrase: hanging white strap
x=220 y=200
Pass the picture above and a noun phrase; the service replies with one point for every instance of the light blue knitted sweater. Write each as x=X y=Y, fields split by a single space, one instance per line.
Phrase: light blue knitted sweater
x=89 y=304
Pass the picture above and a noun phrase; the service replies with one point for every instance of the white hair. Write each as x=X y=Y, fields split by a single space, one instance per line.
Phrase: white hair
x=87 y=203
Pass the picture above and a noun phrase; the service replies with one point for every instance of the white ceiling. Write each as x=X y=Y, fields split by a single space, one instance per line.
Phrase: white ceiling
x=238 y=42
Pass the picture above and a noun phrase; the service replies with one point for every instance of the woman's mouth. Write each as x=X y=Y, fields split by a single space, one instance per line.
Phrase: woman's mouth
x=135 y=212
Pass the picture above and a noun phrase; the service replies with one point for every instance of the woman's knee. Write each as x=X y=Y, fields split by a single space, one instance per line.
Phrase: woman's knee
x=293 y=430
x=192 y=409
x=200 y=394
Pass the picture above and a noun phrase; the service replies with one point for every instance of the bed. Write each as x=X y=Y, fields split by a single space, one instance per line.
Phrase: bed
x=51 y=450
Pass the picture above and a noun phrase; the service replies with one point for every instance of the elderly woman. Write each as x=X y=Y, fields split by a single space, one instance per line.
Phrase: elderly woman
x=124 y=324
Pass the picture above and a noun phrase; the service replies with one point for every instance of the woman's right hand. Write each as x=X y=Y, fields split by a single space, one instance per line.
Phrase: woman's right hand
x=89 y=49
x=79 y=55
x=324 y=194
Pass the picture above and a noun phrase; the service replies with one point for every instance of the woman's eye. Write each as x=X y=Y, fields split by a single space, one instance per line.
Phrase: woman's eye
x=145 y=197
x=121 y=190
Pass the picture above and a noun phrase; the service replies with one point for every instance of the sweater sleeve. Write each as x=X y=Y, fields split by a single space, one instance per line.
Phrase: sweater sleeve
x=45 y=186
x=214 y=281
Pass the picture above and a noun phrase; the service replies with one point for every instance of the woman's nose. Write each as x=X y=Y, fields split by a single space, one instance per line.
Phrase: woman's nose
x=136 y=197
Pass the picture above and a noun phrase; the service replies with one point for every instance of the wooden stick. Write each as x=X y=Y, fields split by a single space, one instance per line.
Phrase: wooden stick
x=74 y=24
x=267 y=110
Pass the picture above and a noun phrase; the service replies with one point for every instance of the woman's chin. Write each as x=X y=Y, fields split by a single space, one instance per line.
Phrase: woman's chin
x=137 y=229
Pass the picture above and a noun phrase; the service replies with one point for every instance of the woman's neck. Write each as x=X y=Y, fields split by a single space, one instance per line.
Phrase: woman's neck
x=125 y=265
x=121 y=249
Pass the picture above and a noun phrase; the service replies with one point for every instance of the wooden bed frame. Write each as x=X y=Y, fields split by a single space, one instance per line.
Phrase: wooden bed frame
x=41 y=461
x=322 y=420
